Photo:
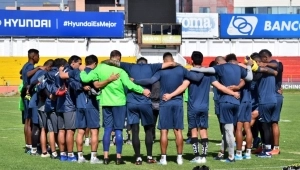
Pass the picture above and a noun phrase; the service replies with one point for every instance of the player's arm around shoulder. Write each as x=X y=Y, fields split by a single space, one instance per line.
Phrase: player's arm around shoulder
x=131 y=86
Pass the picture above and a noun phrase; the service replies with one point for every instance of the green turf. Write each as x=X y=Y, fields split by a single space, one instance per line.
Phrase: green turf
x=13 y=156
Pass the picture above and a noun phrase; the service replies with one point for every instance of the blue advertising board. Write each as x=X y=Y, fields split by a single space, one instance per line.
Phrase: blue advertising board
x=61 y=24
x=254 y=26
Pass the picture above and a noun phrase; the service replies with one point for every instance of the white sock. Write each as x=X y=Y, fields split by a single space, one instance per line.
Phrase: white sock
x=179 y=156
x=164 y=157
x=139 y=159
x=80 y=155
x=248 y=152
x=276 y=147
x=29 y=146
x=70 y=154
x=33 y=150
x=238 y=152
x=149 y=157
x=63 y=154
x=268 y=147
x=93 y=155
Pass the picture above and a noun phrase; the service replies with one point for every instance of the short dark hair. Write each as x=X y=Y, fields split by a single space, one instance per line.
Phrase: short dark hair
x=59 y=62
x=197 y=57
x=35 y=51
x=265 y=51
x=115 y=53
x=73 y=58
x=167 y=54
x=49 y=63
x=254 y=55
x=142 y=59
x=230 y=57
x=91 y=59
x=212 y=63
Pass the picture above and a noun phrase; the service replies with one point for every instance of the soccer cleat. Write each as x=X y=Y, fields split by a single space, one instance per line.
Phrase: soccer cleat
x=151 y=161
x=219 y=157
x=47 y=155
x=247 y=156
x=72 y=159
x=275 y=152
x=256 y=142
x=27 y=151
x=96 y=161
x=120 y=161
x=35 y=154
x=138 y=162
x=106 y=161
x=179 y=161
x=162 y=162
x=81 y=160
x=196 y=160
x=63 y=158
x=228 y=160
x=264 y=154
x=258 y=150
x=238 y=157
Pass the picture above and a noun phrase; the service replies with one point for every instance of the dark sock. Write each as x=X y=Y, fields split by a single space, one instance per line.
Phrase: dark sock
x=135 y=128
x=148 y=139
x=204 y=143
x=35 y=135
x=194 y=142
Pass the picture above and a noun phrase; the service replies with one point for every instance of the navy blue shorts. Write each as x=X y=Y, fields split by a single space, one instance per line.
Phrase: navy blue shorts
x=114 y=116
x=87 y=118
x=170 y=117
x=135 y=112
x=35 y=115
x=276 y=115
x=27 y=112
x=217 y=108
x=266 y=111
x=197 y=119
x=244 y=112
x=228 y=113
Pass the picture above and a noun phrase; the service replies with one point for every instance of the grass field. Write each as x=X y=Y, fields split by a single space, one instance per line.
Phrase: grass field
x=13 y=156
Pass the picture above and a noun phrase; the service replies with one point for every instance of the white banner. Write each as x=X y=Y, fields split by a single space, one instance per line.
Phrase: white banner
x=199 y=25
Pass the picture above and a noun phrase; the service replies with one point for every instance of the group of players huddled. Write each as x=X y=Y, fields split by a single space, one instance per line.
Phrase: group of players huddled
x=62 y=96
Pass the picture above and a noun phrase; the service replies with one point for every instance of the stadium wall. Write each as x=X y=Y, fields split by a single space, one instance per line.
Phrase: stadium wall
x=13 y=52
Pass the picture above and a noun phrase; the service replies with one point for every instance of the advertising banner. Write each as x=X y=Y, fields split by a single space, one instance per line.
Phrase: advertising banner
x=161 y=39
x=199 y=25
x=258 y=26
x=61 y=24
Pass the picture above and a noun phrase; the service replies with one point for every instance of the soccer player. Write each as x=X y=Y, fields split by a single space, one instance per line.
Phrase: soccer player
x=198 y=105
x=244 y=114
x=87 y=115
x=27 y=72
x=36 y=108
x=139 y=106
x=113 y=102
x=50 y=86
x=267 y=60
x=66 y=112
x=229 y=74
x=170 y=112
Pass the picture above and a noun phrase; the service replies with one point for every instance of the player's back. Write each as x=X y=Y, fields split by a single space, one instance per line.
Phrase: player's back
x=170 y=80
x=229 y=74
x=138 y=72
x=198 y=98
x=112 y=94
x=266 y=89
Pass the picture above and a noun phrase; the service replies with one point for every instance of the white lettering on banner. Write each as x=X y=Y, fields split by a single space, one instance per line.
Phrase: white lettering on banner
x=290 y=86
x=195 y=22
x=27 y=23
x=282 y=26
x=90 y=24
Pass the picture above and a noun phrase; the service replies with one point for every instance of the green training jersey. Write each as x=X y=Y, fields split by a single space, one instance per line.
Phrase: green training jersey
x=113 y=94
x=21 y=104
x=186 y=95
